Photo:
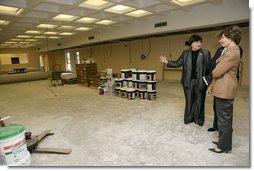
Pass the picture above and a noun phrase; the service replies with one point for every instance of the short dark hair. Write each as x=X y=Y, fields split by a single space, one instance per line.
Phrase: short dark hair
x=194 y=38
x=233 y=33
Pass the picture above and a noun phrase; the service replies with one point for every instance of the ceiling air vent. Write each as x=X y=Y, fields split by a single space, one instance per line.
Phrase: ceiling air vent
x=160 y=24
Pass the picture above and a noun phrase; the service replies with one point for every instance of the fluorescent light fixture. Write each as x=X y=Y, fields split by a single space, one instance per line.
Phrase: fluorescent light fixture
x=10 y=10
x=66 y=27
x=105 y=22
x=4 y=22
x=87 y=20
x=23 y=36
x=65 y=17
x=40 y=37
x=186 y=2
x=53 y=37
x=10 y=42
x=138 y=13
x=95 y=4
x=33 y=32
x=83 y=28
x=16 y=39
x=46 y=26
x=66 y=33
x=50 y=33
x=24 y=42
x=119 y=9
x=31 y=40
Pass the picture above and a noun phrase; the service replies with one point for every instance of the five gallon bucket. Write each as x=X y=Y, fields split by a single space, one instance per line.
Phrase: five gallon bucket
x=13 y=149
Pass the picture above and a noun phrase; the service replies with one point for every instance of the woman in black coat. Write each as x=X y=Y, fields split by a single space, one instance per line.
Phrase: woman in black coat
x=196 y=64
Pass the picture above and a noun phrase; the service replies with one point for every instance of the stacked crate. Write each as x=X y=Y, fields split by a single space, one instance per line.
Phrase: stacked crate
x=85 y=72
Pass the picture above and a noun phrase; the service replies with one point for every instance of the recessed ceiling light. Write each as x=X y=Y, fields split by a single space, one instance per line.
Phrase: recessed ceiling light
x=16 y=39
x=66 y=33
x=65 y=17
x=138 y=13
x=46 y=26
x=83 y=28
x=31 y=40
x=33 y=32
x=40 y=37
x=87 y=20
x=53 y=37
x=23 y=36
x=10 y=10
x=186 y=2
x=10 y=42
x=4 y=22
x=50 y=33
x=105 y=22
x=95 y=4
x=119 y=9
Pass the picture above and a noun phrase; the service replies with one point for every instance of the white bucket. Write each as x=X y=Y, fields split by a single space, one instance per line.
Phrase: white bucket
x=151 y=75
x=151 y=85
x=142 y=75
x=125 y=73
x=13 y=149
x=151 y=95
x=129 y=82
x=130 y=93
x=142 y=94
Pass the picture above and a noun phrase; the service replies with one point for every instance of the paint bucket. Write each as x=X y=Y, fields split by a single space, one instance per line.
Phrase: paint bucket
x=118 y=82
x=125 y=73
x=117 y=91
x=136 y=93
x=142 y=85
x=151 y=95
x=125 y=82
x=123 y=92
x=13 y=149
x=134 y=75
x=151 y=85
x=129 y=82
x=142 y=94
x=135 y=84
x=151 y=75
x=142 y=75
x=101 y=90
x=130 y=93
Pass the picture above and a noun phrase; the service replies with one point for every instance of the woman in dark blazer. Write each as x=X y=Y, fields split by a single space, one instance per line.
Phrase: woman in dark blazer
x=196 y=64
x=224 y=87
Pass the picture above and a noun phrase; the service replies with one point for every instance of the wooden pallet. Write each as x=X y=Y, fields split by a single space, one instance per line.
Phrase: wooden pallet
x=73 y=80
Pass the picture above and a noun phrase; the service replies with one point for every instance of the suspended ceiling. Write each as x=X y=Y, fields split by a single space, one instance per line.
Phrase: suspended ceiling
x=36 y=12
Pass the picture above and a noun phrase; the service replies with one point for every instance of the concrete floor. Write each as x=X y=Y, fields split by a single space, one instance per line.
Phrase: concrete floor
x=113 y=131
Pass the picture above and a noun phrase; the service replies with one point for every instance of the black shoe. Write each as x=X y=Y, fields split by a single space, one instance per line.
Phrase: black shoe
x=216 y=150
x=216 y=143
x=212 y=129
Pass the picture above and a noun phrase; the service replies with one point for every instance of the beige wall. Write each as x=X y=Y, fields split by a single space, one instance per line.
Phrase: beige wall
x=33 y=58
x=127 y=54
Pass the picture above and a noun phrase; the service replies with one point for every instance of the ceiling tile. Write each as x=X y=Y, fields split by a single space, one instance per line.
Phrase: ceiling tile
x=47 y=7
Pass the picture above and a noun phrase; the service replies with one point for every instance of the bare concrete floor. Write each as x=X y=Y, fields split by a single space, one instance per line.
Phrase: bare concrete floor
x=113 y=131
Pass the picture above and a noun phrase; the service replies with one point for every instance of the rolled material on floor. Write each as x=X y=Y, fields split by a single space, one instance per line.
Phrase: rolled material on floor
x=29 y=76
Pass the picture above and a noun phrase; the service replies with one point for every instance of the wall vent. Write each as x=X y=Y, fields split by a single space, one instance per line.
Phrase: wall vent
x=90 y=37
x=160 y=24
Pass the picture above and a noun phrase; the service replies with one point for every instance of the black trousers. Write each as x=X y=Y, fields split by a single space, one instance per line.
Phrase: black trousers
x=224 y=111
x=194 y=104
x=215 y=115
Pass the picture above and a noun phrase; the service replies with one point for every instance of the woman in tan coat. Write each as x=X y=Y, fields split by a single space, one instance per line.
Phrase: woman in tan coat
x=224 y=87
